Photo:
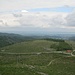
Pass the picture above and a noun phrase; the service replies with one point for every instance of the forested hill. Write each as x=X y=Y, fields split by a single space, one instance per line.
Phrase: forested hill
x=8 y=39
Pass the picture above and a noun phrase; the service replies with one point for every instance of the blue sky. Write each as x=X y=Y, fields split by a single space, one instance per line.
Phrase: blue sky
x=55 y=9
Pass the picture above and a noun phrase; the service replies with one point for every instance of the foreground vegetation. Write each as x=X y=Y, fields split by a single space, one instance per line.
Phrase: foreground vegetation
x=36 y=58
x=32 y=64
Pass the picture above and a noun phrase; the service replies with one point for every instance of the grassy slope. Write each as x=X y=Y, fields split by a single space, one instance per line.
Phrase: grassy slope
x=31 y=46
x=71 y=43
x=33 y=64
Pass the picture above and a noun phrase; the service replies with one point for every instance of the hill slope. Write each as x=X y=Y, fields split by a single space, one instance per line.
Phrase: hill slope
x=8 y=39
x=21 y=59
x=35 y=46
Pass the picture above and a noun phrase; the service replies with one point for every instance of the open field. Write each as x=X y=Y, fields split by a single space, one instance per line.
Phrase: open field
x=34 y=58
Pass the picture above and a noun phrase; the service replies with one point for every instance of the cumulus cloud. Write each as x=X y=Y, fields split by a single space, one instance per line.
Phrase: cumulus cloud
x=47 y=20
x=38 y=20
x=70 y=19
x=1 y=23
x=17 y=15
x=24 y=11
x=33 y=20
x=28 y=19
x=57 y=21
x=58 y=15
x=8 y=20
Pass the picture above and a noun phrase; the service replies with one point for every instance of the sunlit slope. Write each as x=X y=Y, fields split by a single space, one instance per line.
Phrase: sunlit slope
x=30 y=46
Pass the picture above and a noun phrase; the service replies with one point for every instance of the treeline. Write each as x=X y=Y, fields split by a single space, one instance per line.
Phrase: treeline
x=61 y=46
x=55 y=40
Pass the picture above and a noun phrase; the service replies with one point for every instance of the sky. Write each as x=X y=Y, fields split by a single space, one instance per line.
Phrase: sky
x=37 y=16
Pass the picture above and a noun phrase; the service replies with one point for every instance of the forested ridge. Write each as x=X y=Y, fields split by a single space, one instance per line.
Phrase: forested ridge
x=8 y=39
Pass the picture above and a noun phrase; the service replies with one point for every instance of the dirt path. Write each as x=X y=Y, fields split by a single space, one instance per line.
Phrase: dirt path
x=72 y=53
x=42 y=73
x=52 y=61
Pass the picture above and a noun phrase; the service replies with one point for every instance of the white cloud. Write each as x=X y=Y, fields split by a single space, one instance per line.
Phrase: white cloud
x=8 y=20
x=48 y=20
x=6 y=5
x=43 y=20
x=36 y=20
x=24 y=11
x=28 y=19
x=71 y=20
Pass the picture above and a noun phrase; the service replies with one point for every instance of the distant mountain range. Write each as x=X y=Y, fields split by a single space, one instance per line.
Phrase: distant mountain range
x=10 y=38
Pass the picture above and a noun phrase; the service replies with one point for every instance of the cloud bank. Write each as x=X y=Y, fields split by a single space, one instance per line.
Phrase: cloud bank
x=50 y=15
x=41 y=20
